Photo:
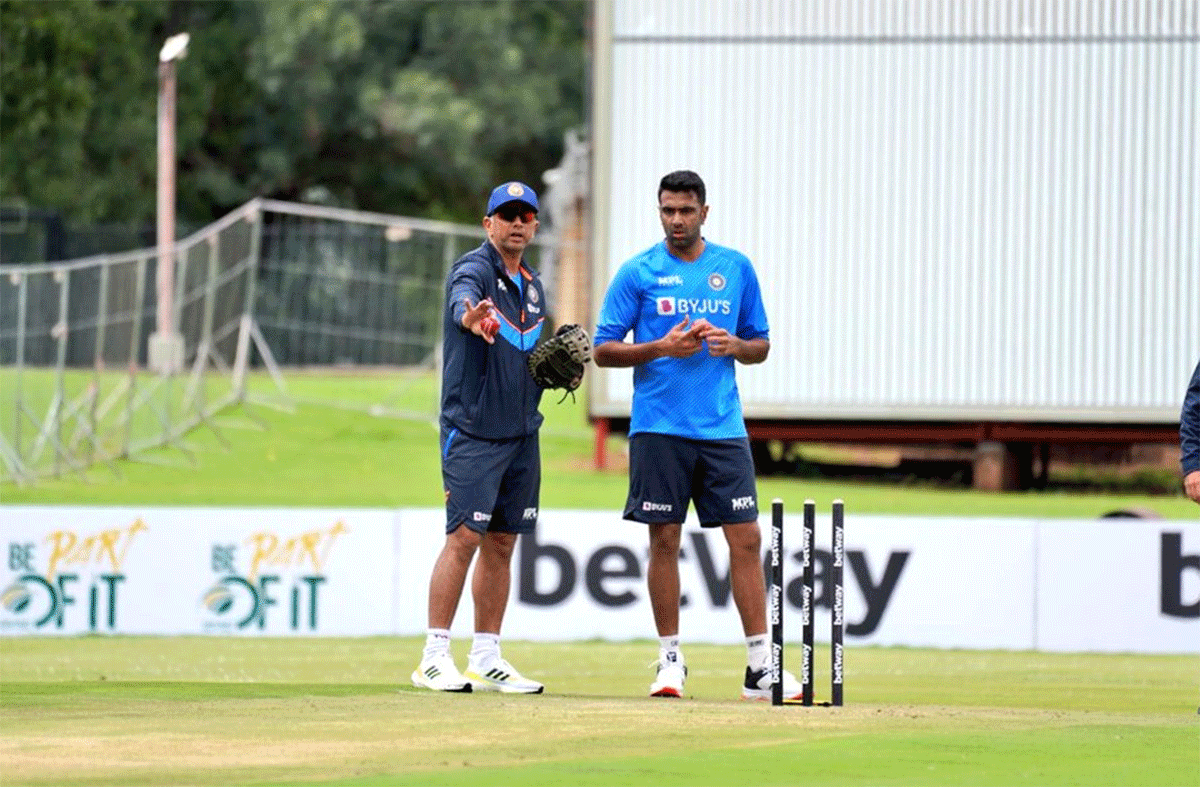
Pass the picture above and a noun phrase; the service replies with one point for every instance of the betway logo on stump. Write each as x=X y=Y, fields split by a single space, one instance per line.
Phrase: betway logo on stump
x=614 y=576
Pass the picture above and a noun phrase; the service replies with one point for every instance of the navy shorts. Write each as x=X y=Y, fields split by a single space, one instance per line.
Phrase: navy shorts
x=667 y=472
x=491 y=485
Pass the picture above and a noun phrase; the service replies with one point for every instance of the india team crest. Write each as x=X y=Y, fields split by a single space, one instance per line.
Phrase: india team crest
x=716 y=281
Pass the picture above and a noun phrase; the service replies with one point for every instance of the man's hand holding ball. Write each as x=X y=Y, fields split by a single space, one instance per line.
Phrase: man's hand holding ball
x=489 y=327
x=478 y=320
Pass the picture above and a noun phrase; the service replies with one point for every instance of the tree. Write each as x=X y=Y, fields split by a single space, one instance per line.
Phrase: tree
x=395 y=106
x=75 y=95
x=417 y=107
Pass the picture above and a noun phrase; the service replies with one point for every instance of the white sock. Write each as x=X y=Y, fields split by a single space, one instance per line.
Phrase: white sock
x=758 y=652
x=485 y=647
x=669 y=651
x=437 y=642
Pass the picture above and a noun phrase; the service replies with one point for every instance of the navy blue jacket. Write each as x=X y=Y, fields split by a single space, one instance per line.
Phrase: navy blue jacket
x=1189 y=426
x=487 y=391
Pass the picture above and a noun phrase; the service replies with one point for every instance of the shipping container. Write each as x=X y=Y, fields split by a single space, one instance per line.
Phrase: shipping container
x=974 y=223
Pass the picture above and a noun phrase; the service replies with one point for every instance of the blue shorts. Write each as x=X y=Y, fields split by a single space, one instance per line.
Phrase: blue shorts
x=491 y=485
x=666 y=472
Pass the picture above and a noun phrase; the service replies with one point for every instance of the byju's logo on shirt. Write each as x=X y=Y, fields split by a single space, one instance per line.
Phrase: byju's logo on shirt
x=669 y=306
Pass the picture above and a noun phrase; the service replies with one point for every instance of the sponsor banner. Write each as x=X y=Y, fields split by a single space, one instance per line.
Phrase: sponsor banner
x=930 y=581
x=1015 y=584
x=196 y=571
x=1090 y=585
x=1118 y=585
x=907 y=581
x=581 y=575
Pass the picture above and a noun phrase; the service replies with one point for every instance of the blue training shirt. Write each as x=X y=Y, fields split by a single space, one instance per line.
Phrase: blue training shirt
x=487 y=390
x=694 y=397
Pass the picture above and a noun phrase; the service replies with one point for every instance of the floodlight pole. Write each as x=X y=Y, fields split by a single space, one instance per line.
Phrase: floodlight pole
x=165 y=351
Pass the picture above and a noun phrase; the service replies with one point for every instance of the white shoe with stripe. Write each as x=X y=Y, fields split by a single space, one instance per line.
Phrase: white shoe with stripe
x=496 y=674
x=439 y=674
x=757 y=685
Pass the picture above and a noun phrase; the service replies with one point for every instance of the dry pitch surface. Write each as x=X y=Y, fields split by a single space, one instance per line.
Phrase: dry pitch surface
x=208 y=711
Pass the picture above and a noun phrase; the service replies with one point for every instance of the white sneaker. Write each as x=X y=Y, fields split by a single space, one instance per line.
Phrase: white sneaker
x=669 y=680
x=498 y=675
x=440 y=674
x=757 y=685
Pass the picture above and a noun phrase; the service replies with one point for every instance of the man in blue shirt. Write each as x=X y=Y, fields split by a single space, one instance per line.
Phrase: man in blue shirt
x=491 y=464
x=1189 y=437
x=694 y=309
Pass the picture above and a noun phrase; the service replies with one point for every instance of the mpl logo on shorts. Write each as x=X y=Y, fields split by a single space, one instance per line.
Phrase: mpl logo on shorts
x=742 y=503
x=648 y=506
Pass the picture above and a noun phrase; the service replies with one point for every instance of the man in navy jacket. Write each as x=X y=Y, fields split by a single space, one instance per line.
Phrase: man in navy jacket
x=491 y=466
x=1189 y=437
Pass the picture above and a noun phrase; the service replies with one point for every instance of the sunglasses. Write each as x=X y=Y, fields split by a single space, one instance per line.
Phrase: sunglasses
x=509 y=213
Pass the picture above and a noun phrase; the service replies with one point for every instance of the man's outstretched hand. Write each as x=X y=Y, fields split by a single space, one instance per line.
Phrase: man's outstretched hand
x=478 y=320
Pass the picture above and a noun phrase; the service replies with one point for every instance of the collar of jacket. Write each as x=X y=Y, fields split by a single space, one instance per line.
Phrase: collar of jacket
x=497 y=261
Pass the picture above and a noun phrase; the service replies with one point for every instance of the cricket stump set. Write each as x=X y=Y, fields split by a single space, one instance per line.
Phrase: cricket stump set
x=807 y=617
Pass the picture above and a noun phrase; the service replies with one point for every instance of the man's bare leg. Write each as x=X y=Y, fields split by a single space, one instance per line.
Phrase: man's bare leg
x=437 y=670
x=450 y=575
x=746 y=576
x=662 y=577
x=486 y=668
x=491 y=580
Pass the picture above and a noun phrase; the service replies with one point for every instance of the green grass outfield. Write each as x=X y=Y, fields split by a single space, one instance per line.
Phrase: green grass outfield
x=322 y=456
x=216 y=711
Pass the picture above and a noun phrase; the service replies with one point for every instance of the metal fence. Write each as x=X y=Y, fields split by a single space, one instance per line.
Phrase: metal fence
x=273 y=285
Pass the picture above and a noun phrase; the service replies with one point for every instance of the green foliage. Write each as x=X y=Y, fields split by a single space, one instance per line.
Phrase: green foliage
x=78 y=108
x=400 y=107
x=1148 y=481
